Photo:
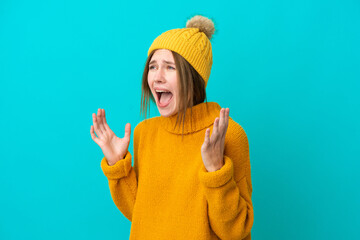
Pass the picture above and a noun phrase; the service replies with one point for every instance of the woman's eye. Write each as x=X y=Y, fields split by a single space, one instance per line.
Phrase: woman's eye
x=151 y=67
x=171 y=67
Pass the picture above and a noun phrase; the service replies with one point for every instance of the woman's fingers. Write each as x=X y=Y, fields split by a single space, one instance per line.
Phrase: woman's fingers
x=222 y=116
x=93 y=136
x=215 y=133
x=227 y=116
x=224 y=121
x=100 y=121
x=219 y=124
x=98 y=128
x=96 y=125
x=215 y=128
x=104 y=117
x=127 y=131
x=107 y=128
x=207 y=137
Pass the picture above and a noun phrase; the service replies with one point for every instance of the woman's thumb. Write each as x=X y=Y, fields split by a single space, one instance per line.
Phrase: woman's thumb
x=127 y=130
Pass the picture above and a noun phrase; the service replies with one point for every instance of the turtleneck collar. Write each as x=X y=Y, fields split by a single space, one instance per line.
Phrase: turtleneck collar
x=203 y=116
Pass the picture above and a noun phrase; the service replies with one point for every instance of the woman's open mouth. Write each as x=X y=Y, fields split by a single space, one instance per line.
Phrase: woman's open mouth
x=164 y=97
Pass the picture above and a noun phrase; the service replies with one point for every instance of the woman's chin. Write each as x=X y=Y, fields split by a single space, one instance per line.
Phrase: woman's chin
x=166 y=112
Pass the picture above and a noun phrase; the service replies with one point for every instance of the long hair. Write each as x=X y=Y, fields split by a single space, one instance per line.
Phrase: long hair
x=191 y=88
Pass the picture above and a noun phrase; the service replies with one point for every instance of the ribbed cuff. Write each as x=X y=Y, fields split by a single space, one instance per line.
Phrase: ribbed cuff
x=217 y=178
x=120 y=169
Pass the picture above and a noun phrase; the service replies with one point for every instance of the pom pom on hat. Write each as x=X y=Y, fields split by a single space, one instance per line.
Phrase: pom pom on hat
x=204 y=25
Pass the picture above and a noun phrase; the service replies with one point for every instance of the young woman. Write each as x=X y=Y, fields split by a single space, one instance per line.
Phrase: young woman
x=185 y=182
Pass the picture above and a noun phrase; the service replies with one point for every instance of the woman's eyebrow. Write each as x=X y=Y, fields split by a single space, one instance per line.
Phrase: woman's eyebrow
x=153 y=61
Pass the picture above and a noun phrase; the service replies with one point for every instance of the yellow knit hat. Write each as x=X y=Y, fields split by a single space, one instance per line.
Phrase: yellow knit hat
x=191 y=42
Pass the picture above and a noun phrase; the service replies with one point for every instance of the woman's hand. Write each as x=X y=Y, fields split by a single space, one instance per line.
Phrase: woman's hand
x=114 y=148
x=212 y=150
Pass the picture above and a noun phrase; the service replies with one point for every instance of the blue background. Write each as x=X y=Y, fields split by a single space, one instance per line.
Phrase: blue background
x=288 y=70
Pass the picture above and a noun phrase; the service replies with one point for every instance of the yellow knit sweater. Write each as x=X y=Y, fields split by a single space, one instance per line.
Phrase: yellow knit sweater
x=168 y=193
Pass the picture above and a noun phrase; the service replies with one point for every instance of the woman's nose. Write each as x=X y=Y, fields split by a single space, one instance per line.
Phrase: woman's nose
x=159 y=76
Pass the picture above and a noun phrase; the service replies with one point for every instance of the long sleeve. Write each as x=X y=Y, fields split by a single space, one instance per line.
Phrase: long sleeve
x=122 y=180
x=228 y=190
x=122 y=184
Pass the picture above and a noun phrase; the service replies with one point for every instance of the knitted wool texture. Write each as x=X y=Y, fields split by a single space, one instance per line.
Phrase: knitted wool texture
x=168 y=193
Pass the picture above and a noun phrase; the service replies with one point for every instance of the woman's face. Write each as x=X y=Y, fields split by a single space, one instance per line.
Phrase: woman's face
x=162 y=80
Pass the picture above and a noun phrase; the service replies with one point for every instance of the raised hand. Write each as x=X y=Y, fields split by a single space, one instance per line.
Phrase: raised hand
x=212 y=150
x=113 y=147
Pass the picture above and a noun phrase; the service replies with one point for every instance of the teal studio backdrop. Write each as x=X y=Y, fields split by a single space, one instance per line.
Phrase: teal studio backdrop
x=288 y=70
